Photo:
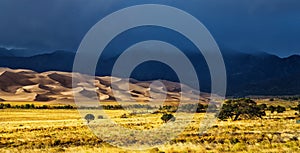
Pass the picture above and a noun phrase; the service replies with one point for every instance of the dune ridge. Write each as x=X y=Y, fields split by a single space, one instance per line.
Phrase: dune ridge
x=54 y=86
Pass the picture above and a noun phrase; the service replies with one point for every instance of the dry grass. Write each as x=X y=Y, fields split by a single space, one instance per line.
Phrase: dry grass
x=64 y=131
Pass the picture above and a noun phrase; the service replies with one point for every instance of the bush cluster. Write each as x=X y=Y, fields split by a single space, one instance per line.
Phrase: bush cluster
x=199 y=108
x=297 y=108
x=190 y=108
x=32 y=106
x=278 y=109
x=120 y=107
x=291 y=98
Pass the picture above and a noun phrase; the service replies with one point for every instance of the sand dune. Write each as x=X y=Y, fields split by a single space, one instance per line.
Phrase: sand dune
x=26 y=85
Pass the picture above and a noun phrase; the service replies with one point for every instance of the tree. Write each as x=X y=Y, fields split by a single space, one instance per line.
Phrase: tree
x=4 y=106
x=27 y=106
x=166 y=117
x=241 y=108
x=201 y=108
x=272 y=109
x=32 y=106
x=89 y=117
x=263 y=106
x=298 y=107
x=280 y=109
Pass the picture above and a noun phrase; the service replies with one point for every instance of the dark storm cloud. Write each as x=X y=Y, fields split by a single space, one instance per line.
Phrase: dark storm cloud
x=49 y=24
x=265 y=25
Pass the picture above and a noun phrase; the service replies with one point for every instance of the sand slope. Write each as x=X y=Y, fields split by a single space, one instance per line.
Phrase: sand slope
x=27 y=85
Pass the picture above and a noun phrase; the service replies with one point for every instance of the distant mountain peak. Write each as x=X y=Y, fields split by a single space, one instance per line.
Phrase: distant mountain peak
x=247 y=74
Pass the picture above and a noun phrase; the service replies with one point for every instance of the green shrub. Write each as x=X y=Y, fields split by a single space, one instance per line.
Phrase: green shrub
x=166 y=117
x=124 y=116
x=89 y=117
x=100 y=117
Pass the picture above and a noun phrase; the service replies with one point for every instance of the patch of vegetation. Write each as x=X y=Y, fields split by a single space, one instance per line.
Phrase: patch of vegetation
x=168 y=117
x=89 y=117
x=278 y=109
x=100 y=117
x=124 y=116
x=188 y=108
x=244 y=108
x=32 y=106
x=297 y=108
x=29 y=131
x=290 y=98
x=4 y=106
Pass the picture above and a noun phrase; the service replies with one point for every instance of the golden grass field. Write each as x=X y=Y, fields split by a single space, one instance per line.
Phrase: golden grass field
x=38 y=130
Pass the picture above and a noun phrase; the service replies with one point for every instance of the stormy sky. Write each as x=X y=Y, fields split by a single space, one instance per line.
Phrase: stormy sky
x=246 y=25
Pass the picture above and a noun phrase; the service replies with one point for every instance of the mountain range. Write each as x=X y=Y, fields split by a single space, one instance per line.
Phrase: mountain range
x=256 y=73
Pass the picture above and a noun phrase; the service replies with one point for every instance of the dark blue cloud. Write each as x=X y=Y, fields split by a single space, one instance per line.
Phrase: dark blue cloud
x=263 y=25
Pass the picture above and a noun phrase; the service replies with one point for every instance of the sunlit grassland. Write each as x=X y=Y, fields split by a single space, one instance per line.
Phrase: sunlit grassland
x=43 y=130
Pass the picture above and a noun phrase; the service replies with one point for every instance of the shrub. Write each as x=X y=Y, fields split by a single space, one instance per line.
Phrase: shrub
x=27 y=106
x=166 y=117
x=124 y=116
x=168 y=108
x=100 y=117
x=3 y=106
x=63 y=107
x=32 y=106
x=44 y=107
x=89 y=117
x=7 y=106
x=199 y=108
